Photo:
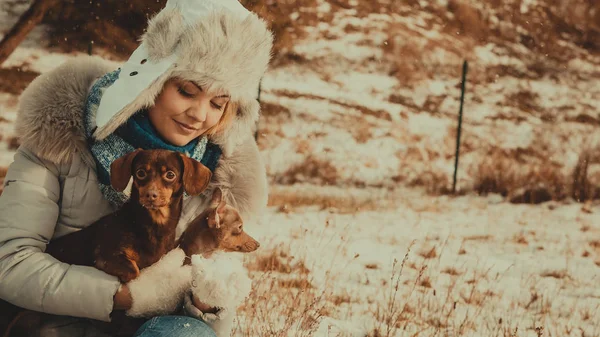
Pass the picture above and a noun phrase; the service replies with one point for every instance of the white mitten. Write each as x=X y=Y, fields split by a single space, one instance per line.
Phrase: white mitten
x=160 y=288
x=219 y=281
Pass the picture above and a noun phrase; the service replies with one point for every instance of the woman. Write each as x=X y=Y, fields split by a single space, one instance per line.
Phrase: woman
x=189 y=87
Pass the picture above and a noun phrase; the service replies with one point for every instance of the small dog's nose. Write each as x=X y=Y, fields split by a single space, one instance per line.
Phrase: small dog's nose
x=152 y=195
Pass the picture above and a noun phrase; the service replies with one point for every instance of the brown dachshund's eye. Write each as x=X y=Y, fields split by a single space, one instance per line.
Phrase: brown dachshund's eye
x=170 y=175
x=140 y=174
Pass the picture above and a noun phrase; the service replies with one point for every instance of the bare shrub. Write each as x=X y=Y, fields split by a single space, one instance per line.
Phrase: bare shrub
x=468 y=20
x=404 y=56
x=434 y=182
x=521 y=183
x=494 y=175
x=311 y=170
x=525 y=100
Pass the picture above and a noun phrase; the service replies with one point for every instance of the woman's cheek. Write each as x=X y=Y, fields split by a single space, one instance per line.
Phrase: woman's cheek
x=214 y=119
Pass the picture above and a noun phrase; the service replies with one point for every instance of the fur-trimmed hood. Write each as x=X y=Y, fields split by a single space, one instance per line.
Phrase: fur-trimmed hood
x=50 y=115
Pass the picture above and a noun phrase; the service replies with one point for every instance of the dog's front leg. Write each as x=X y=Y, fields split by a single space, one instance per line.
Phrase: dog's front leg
x=122 y=265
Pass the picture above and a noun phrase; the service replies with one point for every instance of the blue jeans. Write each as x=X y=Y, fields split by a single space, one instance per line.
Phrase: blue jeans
x=175 y=326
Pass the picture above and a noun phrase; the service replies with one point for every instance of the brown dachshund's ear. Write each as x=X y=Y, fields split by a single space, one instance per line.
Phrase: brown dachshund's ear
x=196 y=176
x=217 y=198
x=214 y=220
x=120 y=170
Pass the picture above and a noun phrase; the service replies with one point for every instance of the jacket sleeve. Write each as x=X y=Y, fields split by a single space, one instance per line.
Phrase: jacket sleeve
x=244 y=176
x=30 y=278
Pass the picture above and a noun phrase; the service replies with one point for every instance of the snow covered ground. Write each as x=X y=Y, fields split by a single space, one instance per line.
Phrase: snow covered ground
x=357 y=132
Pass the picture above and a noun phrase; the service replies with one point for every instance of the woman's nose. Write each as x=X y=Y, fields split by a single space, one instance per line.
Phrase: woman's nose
x=199 y=111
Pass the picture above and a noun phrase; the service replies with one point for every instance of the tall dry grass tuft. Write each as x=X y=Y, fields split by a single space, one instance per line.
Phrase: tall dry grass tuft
x=283 y=301
x=390 y=313
x=582 y=189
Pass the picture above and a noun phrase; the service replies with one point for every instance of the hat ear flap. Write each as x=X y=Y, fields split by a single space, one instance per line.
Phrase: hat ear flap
x=164 y=33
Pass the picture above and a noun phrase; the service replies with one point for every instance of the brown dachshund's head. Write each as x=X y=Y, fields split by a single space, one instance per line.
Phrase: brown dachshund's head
x=227 y=225
x=159 y=175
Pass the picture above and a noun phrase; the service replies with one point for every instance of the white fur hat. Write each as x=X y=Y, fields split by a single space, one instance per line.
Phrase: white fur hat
x=217 y=44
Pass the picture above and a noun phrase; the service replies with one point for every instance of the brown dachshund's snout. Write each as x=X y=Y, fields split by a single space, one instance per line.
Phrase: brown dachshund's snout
x=152 y=197
x=249 y=244
x=152 y=194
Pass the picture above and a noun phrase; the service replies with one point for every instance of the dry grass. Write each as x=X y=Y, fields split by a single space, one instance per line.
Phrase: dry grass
x=390 y=314
x=468 y=21
x=287 y=302
x=287 y=30
x=15 y=79
x=288 y=202
x=312 y=170
x=283 y=301
x=541 y=29
x=3 y=171
x=434 y=182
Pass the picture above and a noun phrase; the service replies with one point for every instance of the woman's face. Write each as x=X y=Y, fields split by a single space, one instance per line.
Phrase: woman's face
x=183 y=111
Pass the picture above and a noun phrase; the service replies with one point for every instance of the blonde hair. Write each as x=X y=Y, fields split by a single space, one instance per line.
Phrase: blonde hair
x=228 y=114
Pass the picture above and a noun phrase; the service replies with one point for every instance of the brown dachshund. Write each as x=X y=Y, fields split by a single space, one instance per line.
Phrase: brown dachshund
x=218 y=228
x=143 y=230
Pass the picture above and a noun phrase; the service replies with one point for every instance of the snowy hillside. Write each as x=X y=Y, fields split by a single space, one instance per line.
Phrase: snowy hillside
x=358 y=134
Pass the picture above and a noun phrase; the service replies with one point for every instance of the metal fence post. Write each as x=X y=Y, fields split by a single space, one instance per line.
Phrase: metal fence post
x=458 y=132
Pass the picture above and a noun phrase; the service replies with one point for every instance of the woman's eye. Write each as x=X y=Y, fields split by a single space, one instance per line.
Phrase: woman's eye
x=216 y=106
x=185 y=93
x=140 y=174
x=170 y=175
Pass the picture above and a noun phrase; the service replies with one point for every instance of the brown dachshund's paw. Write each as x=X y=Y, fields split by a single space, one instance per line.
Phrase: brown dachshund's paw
x=120 y=266
x=128 y=270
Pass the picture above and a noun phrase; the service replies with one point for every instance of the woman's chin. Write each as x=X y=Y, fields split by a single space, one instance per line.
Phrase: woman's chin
x=179 y=140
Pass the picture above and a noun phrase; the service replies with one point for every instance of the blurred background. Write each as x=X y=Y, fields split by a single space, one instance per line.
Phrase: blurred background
x=358 y=132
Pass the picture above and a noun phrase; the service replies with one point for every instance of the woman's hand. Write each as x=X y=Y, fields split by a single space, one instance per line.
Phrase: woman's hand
x=203 y=307
x=122 y=299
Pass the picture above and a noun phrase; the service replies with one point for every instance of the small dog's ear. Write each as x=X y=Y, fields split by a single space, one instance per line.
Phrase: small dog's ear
x=214 y=220
x=120 y=170
x=217 y=198
x=196 y=176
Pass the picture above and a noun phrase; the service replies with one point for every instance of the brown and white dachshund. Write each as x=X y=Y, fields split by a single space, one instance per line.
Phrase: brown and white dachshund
x=219 y=228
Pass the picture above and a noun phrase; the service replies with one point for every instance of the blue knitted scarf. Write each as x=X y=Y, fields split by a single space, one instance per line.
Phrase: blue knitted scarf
x=138 y=132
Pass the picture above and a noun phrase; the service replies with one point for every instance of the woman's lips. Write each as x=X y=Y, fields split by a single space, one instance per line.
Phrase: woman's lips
x=185 y=127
